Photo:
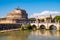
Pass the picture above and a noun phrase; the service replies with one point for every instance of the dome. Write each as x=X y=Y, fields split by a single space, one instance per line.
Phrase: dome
x=17 y=13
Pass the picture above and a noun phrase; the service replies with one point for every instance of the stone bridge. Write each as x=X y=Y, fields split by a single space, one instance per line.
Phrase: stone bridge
x=46 y=25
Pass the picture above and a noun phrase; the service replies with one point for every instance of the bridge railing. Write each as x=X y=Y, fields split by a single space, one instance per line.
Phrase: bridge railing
x=47 y=22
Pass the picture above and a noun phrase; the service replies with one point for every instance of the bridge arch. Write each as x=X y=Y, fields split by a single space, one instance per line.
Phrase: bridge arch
x=34 y=26
x=42 y=27
x=52 y=27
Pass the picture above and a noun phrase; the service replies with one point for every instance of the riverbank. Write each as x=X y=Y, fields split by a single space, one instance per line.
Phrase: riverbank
x=18 y=29
x=9 y=30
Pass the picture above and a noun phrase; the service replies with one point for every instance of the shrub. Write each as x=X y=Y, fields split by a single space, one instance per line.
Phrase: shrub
x=22 y=28
x=28 y=26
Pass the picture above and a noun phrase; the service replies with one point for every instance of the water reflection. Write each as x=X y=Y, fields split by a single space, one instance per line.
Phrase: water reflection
x=31 y=35
x=16 y=35
x=44 y=35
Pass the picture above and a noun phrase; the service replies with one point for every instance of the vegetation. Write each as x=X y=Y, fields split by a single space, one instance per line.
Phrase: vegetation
x=48 y=18
x=57 y=18
x=22 y=28
x=32 y=18
x=2 y=18
x=28 y=26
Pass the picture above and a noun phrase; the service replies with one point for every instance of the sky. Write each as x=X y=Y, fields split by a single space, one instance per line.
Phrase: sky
x=32 y=7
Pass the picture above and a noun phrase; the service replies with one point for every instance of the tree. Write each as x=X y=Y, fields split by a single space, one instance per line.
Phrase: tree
x=22 y=28
x=28 y=26
x=47 y=18
x=57 y=18
x=2 y=18
x=32 y=18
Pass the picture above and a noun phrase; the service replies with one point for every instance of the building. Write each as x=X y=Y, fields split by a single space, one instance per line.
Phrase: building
x=16 y=16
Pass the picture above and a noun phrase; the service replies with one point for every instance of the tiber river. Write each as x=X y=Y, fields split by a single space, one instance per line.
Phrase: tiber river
x=30 y=35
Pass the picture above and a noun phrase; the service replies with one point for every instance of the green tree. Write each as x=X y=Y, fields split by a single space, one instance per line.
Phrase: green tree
x=57 y=18
x=22 y=28
x=2 y=18
x=47 y=18
x=32 y=18
x=28 y=26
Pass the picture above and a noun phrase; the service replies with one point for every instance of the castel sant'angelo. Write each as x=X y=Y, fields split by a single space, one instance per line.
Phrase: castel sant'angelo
x=20 y=16
x=16 y=16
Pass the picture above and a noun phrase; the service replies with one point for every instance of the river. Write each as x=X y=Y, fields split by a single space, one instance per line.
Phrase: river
x=31 y=35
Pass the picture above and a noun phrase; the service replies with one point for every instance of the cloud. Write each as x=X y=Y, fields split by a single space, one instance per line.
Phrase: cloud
x=45 y=14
